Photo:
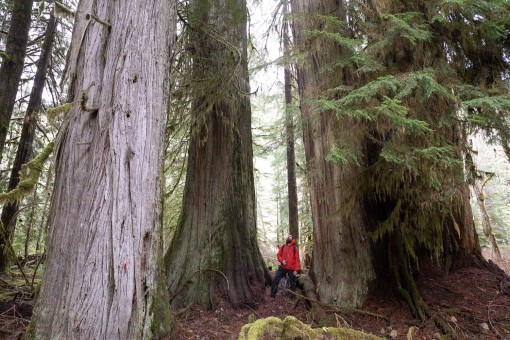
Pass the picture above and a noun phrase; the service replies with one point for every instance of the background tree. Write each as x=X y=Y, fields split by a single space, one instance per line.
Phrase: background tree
x=32 y=211
x=12 y=63
x=104 y=239
x=25 y=146
x=214 y=249
x=478 y=188
x=289 y=131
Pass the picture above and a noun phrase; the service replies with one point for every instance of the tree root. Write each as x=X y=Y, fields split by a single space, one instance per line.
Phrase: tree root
x=502 y=276
x=317 y=307
x=400 y=268
x=185 y=282
x=341 y=310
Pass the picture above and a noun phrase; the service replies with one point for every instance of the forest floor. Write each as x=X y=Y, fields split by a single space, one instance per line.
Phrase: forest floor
x=471 y=299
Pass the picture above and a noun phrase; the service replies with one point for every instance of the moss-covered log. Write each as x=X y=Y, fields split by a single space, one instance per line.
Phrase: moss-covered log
x=292 y=328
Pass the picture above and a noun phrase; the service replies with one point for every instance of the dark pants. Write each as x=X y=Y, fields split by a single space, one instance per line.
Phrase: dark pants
x=279 y=274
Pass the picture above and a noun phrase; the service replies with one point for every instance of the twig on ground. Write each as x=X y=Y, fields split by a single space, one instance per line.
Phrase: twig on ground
x=338 y=322
x=182 y=311
x=253 y=310
x=7 y=283
x=185 y=282
x=489 y=317
x=427 y=321
x=339 y=309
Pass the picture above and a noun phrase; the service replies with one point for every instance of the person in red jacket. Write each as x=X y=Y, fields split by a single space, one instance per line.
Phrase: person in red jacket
x=288 y=256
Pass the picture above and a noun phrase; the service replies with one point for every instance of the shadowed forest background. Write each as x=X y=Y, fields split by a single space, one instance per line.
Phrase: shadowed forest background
x=155 y=154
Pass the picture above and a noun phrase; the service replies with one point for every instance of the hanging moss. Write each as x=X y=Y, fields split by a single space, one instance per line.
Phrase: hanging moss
x=5 y=56
x=54 y=112
x=29 y=175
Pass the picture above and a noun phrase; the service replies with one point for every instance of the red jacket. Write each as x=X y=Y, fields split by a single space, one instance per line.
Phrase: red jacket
x=290 y=253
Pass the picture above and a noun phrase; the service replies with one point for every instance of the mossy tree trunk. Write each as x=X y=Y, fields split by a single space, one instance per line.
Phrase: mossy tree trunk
x=214 y=250
x=24 y=151
x=104 y=238
x=429 y=211
x=12 y=63
x=341 y=262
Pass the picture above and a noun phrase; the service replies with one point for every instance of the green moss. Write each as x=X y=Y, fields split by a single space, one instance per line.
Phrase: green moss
x=159 y=310
x=268 y=328
x=7 y=295
x=54 y=112
x=292 y=328
x=295 y=329
x=162 y=320
x=29 y=175
x=30 y=331
x=343 y=333
x=154 y=322
x=5 y=56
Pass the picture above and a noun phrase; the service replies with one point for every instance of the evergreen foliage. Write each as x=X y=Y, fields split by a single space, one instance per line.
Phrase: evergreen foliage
x=416 y=78
x=412 y=78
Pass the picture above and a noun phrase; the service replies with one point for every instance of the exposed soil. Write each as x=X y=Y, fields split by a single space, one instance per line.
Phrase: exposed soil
x=473 y=299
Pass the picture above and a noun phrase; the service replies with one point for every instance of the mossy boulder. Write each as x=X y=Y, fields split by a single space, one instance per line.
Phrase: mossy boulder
x=292 y=328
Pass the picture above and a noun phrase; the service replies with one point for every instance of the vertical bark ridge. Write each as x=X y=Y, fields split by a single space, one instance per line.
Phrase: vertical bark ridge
x=341 y=262
x=214 y=250
x=103 y=242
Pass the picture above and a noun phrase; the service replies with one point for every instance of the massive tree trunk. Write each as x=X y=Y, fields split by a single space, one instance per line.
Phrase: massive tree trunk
x=214 y=250
x=421 y=207
x=12 y=63
x=104 y=242
x=290 y=135
x=341 y=261
x=24 y=151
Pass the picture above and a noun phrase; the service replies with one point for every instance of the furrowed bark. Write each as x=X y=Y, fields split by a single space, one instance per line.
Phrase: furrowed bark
x=214 y=251
x=104 y=240
x=341 y=262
